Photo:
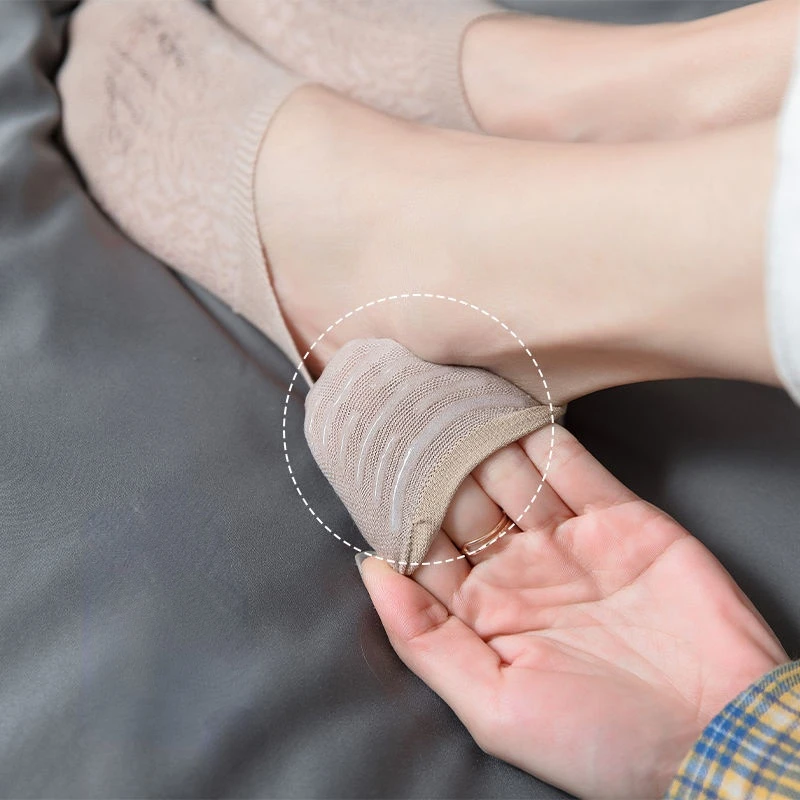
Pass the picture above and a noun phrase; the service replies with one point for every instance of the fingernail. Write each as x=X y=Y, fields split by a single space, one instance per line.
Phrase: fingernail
x=362 y=557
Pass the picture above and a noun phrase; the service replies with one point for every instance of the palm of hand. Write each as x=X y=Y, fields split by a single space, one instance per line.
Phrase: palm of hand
x=622 y=637
x=590 y=648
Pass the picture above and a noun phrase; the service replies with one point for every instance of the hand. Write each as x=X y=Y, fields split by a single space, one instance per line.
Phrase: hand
x=590 y=648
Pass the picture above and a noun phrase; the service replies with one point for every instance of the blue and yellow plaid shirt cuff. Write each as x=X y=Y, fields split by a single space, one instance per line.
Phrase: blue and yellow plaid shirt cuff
x=751 y=749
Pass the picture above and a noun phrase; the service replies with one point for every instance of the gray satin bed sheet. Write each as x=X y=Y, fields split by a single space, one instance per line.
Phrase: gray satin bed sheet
x=172 y=622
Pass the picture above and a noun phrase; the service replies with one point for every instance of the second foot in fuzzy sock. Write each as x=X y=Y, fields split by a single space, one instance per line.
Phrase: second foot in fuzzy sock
x=165 y=111
x=403 y=57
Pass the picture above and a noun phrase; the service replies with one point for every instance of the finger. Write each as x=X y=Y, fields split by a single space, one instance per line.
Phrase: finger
x=471 y=514
x=444 y=571
x=578 y=478
x=513 y=482
x=439 y=648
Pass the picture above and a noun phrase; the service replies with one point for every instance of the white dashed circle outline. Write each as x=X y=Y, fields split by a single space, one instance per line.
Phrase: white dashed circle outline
x=422 y=296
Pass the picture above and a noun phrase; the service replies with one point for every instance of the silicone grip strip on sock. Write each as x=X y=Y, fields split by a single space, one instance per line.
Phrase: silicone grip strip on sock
x=396 y=436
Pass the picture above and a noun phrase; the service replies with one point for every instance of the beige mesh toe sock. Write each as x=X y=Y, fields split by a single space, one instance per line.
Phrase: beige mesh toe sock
x=396 y=436
x=399 y=56
x=165 y=111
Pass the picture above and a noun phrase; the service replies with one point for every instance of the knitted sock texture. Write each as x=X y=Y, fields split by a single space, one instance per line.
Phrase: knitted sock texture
x=401 y=57
x=396 y=436
x=165 y=111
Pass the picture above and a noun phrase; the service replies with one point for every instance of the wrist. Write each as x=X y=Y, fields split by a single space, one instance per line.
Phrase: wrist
x=760 y=719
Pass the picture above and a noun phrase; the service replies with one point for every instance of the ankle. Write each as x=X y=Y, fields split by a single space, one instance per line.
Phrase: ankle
x=712 y=60
x=350 y=212
x=605 y=78
x=627 y=82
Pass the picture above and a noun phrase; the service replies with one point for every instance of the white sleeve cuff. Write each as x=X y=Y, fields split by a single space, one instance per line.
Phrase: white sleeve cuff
x=783 y=259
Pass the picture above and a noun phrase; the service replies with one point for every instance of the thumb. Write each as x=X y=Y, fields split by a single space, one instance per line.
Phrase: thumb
x=435 y=645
